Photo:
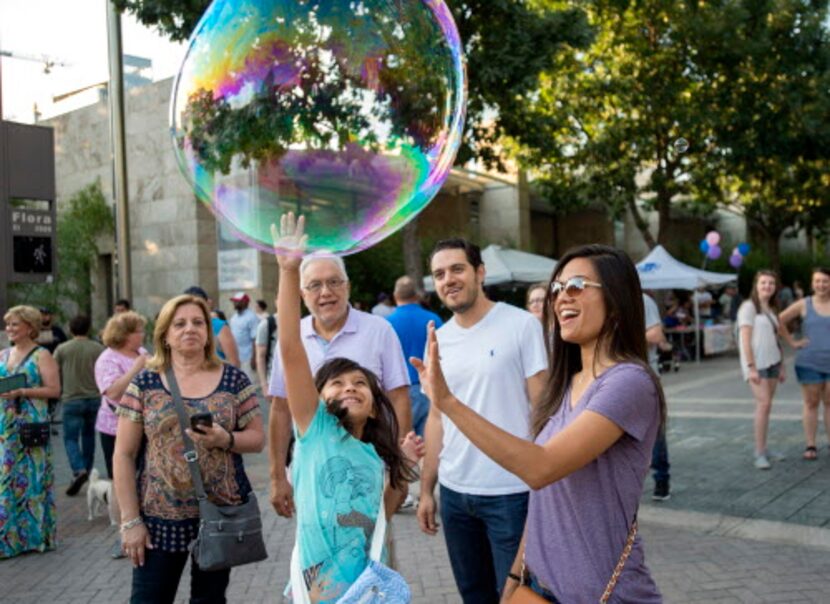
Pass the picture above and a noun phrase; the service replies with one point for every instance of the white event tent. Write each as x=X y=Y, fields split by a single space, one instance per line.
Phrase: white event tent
x=505 y=265
x=660 y=270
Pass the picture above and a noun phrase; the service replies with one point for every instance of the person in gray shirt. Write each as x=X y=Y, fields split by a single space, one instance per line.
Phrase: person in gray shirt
x=656 y=340
x=80 y=397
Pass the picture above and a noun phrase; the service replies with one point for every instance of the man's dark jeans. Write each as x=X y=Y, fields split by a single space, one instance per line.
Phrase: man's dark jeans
x=79 y=425
x=660 y=458
x=157 y=581
x=483 y=534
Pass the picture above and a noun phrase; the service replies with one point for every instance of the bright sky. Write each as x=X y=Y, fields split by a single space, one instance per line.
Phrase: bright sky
x=73 y=32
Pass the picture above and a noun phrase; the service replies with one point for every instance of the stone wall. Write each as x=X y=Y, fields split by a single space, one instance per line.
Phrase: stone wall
x=172 y=236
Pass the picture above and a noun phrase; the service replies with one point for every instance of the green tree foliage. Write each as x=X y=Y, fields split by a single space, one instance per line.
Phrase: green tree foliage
x=625 y=118
x=768 y=64
x=507 y=43
x=701 y=103
x=84 y=218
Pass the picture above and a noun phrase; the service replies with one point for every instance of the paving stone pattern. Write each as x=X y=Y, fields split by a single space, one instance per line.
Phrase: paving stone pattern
x=711 y=450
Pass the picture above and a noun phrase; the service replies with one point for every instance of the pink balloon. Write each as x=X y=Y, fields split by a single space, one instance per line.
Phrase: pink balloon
x=735 y=260
x=714 y=252
x=713 y=238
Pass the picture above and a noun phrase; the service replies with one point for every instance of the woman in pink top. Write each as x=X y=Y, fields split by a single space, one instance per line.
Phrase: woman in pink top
x=123 y=359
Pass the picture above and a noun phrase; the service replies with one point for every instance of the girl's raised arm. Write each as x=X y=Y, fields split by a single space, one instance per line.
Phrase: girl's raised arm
x=289 y=245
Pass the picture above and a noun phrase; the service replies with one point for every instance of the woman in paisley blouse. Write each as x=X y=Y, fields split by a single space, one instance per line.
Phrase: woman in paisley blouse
x=159 y=512
x=27 y=499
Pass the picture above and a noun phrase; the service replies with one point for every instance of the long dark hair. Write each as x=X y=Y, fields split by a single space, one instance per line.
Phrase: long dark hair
x=382 y=430
x=773 y=301
x=624 y=331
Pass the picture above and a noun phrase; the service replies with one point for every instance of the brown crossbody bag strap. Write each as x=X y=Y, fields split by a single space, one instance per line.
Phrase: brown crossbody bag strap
x=612 y=582
x=524 y=594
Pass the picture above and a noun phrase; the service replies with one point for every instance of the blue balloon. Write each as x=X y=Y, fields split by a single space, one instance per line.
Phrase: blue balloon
x=704 y=246
x=743 y=249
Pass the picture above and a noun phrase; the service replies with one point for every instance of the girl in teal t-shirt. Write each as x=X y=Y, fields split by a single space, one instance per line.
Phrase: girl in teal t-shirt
x=347 y=441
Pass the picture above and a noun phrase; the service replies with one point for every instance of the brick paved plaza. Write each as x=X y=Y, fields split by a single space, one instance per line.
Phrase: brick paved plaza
x=730 y=533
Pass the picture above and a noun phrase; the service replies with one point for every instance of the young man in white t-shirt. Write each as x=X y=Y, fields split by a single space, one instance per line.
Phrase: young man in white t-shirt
x=493 y=357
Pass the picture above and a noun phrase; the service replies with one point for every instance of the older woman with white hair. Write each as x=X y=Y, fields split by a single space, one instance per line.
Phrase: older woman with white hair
x=27 y=499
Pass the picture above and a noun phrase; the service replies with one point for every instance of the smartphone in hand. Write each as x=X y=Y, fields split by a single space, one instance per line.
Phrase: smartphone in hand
x=199 y=421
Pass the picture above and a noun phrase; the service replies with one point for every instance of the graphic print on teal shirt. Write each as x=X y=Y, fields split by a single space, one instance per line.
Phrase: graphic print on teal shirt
x=338 y=483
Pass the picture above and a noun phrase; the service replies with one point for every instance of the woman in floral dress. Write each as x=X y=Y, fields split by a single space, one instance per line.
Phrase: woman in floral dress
x=27 y=501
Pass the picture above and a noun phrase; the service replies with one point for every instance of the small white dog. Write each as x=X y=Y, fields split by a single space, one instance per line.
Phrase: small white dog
x=99 y=497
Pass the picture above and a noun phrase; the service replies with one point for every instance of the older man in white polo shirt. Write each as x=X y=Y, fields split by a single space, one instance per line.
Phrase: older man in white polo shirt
x=333 y=329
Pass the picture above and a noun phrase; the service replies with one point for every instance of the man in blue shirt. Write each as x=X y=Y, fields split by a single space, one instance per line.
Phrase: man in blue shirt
x=243 y=326
x=410 y=321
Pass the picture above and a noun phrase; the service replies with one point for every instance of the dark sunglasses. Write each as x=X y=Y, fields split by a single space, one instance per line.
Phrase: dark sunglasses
x=573 y=287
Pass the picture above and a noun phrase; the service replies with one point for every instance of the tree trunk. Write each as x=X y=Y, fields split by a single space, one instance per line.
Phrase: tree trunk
x=412 y=262
x=663 y=217
x=642 y=223
x=809 y=235
x=773 y=239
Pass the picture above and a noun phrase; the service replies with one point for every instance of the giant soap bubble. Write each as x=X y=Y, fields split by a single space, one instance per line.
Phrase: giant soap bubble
x=349 y=112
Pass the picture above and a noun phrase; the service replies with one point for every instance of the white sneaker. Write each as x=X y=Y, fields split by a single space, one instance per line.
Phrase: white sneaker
x=762 y=463
x=775 y=455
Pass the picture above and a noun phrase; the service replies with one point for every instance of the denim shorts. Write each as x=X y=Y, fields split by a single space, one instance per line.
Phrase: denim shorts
x=807 y=376
x=770 y=373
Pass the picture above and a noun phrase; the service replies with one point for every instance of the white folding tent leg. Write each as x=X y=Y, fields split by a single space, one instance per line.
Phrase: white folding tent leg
x=697 y=327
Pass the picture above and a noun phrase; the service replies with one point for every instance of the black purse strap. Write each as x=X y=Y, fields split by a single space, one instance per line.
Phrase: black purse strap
x=190 y=454
x=774 y=324
x=23 y=362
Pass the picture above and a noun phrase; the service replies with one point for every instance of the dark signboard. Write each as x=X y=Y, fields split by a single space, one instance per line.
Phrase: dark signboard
x=32 y=255
x=27 y=203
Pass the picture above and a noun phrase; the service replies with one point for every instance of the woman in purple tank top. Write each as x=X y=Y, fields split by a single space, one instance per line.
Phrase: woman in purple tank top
x=593 y=432
x=812 y=362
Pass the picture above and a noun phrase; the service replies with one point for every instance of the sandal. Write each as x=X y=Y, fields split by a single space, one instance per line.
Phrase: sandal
x=810 y=454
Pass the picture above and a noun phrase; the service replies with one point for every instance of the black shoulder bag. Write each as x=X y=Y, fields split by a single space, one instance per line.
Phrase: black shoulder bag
x=32 y=434
x=229 y=535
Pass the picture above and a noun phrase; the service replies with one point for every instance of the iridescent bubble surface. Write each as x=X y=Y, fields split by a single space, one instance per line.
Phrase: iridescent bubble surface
x=349 y=112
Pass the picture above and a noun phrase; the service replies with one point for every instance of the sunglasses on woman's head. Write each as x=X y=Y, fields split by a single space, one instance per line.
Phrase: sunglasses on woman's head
x=573 y=287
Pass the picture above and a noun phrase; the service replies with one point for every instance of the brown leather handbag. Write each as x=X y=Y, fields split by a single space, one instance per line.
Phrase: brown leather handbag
x=525 y=595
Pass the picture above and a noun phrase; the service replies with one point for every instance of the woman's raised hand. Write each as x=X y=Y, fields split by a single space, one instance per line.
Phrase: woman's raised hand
x=290 y=241
x=430 y=373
